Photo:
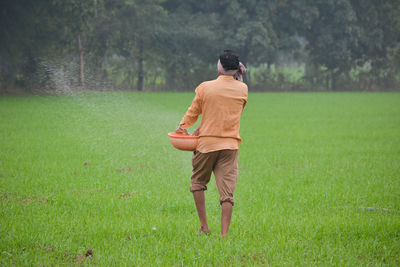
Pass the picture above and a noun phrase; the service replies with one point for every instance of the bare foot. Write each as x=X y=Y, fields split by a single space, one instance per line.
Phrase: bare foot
x=204 y=230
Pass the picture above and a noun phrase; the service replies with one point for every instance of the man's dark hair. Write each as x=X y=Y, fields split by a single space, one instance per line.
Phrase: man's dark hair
x=229 y=60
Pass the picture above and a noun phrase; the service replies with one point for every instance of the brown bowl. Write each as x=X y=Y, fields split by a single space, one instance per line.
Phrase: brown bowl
x=186 y=142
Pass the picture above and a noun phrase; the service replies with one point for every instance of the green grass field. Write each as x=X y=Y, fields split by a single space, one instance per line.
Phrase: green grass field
x=319 y=182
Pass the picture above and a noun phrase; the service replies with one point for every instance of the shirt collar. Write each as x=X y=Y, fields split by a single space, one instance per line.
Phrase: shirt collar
x=225 y=77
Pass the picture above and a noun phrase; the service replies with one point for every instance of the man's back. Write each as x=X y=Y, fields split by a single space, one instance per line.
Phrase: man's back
x=222 y=103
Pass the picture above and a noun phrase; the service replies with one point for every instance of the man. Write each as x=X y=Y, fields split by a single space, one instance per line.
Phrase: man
x=221 y=103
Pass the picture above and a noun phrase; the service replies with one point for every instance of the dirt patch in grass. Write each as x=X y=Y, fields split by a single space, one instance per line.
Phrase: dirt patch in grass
x=86 y=191
x=48 y=249
x=126 y=170
x=35 y=199
x=80 y=258
x=127 y=195
x=257 y=258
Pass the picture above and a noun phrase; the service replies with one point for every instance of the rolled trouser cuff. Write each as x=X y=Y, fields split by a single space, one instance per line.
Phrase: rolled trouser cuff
x=227 y=199
x=198 y=187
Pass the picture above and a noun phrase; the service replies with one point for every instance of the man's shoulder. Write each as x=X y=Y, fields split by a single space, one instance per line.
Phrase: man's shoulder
x=205 y=84
x=212 y=84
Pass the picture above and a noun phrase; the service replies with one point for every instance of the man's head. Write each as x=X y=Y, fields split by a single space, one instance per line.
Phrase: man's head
x=229 y=60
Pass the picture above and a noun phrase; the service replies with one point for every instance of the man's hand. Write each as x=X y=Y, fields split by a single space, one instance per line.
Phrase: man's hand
x=181 y=131
x=197 y=132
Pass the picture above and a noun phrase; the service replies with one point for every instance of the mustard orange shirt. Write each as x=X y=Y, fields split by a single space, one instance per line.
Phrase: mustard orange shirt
x=221 y=103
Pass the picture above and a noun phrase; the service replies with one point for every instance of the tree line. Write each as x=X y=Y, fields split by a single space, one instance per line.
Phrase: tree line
x=158 y=45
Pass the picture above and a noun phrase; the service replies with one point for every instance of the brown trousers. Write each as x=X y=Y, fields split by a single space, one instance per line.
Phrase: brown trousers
x=224 y=164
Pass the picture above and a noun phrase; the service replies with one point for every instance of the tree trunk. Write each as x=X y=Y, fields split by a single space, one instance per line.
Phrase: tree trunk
x=140 y=81
x=1 y=76
x=310 y=73
x=81 y=64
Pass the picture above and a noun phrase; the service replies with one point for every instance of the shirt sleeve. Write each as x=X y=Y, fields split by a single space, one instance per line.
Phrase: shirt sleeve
x=193 y=112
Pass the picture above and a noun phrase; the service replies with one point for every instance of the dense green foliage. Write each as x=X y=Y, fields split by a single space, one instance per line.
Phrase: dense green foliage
x=173 y=44
x=318 y=185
